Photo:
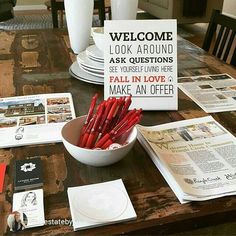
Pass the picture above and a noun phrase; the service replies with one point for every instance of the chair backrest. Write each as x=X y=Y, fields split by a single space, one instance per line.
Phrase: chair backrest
x=224 y=46
x=57 y=5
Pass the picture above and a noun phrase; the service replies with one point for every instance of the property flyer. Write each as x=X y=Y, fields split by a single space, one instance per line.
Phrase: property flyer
x=34 y=119
x=213 y=93
x=195 y=156
x=140 y=58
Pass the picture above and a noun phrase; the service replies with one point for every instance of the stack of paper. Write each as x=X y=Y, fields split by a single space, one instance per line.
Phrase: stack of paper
x=100 y=204
x=196 y=157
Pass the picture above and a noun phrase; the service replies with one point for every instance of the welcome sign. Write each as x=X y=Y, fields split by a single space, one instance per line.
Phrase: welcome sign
x=141 y=59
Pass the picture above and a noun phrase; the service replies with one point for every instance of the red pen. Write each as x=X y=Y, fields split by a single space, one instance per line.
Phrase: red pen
x=87 y=131
x=125 y=124
x=88 y=118
x=109 y=117
x=91 y=108
x=125 y=108
x=122 y=123
x=131 y=124
x=108 y=105
x=120 y=103
x=93 y=133
x=122 y=132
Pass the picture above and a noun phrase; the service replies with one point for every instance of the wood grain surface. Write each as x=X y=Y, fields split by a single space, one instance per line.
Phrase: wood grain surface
x=33 y=62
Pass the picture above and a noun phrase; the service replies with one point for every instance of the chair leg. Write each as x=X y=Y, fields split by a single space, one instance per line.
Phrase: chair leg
x=54 y=14
x=109 y=12
x=101 y=12
x=233 y=59
x=210 y=31
x=61 y=18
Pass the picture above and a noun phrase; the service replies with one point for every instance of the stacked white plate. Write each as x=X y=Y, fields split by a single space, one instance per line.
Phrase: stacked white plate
x=89 y=66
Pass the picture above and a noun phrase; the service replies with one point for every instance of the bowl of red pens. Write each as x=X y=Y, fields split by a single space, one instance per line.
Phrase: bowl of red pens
x=105 y=135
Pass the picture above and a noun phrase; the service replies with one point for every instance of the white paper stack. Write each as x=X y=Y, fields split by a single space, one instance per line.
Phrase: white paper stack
x=196 y=157
x=100 y=204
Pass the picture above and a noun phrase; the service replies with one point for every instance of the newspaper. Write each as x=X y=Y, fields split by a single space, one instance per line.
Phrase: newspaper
x=34 y=119
x=196 y=157
x=213 y=93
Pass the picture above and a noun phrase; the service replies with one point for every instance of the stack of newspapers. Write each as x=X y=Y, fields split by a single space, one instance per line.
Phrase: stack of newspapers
x=196 y=157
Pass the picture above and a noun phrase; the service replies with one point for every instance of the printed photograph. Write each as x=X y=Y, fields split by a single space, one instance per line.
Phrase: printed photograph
x=202 y=78
x=32 y=120
x=223 y=89
x=164 y=136
x=59 y=118
x=174 y=158
x=22 y=108
x=185 y=133
x=58 y=101
x=29 y=200
x=8 y=122
x=17 y=221
x=220 y=96
x=205 y=86
x=185 y=80
x=59 y=109
x=220 y=77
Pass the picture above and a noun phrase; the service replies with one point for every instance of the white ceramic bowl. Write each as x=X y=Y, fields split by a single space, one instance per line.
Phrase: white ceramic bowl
x=98 y=37
x=70 y=135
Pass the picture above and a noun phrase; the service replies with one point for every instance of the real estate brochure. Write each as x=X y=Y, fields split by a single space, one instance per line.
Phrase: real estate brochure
x=213 y=93
x=100 y=204
x=196 y=157
x=34 y=119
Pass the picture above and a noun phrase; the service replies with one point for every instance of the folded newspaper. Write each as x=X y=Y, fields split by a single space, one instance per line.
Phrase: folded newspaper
x=197 y=157
x=34 y=119
x=213 y=93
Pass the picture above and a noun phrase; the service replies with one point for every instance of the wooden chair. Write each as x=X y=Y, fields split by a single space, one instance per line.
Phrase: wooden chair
x=224 y=46
x=58 y=6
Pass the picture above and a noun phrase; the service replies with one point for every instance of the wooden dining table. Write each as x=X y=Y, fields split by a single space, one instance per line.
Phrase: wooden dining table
x=37 y=62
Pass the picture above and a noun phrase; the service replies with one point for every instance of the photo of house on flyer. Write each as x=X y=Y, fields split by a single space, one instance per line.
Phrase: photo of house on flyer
x=30 y=119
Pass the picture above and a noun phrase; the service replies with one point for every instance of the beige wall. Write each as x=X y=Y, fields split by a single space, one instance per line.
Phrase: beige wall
x=229 y=7
x=30 y=2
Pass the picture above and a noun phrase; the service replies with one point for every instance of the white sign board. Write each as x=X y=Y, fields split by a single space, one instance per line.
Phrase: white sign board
x=141 y=59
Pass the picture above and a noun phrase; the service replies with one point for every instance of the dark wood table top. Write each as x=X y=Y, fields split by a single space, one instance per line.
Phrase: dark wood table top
x=33 y=62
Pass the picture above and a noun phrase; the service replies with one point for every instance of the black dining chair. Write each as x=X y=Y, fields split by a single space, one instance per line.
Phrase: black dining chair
x=58 y=5
x=223 y=44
